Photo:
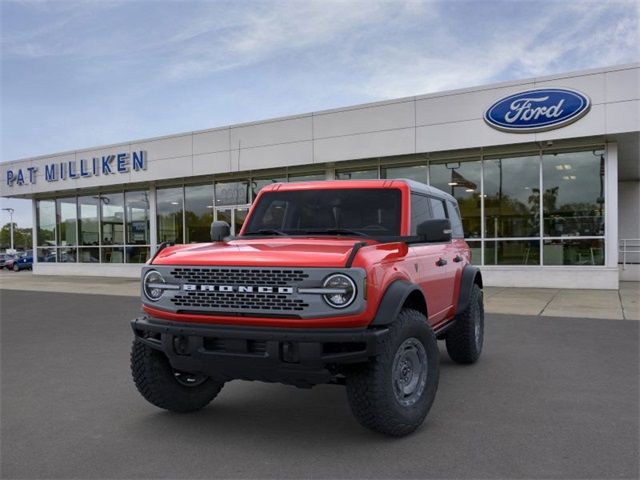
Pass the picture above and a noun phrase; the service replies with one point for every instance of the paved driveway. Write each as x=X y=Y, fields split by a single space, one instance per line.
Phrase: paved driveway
x=551 y=398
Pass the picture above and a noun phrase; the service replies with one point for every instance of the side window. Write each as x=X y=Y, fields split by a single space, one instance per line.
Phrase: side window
x=420 y=211
x=456 y=222
x=437 y=206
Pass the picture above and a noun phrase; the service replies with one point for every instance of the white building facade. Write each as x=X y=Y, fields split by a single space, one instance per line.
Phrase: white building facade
x=546 y=172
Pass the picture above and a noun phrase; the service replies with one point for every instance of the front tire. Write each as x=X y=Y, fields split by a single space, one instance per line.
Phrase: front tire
x=394 y=392
x=16 y=268
x=465 y=338
x=167 y=388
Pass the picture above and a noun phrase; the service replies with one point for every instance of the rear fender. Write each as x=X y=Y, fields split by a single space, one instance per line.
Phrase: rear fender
x=470 y=276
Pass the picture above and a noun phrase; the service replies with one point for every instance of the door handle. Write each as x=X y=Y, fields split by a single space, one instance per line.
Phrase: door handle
x=457 y=258
x=441 y=262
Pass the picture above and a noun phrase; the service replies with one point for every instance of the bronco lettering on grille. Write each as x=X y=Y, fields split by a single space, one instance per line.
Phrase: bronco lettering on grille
x=237 y=288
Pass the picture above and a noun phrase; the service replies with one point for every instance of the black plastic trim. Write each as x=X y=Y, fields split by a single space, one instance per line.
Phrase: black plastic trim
x=470 y=275
x=296 y=356
x=161 y=247
x=354 y=251
x=392 y=302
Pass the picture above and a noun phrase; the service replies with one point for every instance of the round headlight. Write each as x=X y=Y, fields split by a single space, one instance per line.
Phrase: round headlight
x=151 y=285
x=344 y=290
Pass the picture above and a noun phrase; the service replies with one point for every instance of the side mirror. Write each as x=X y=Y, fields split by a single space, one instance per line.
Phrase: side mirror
x=219 y=231
x=435 y=230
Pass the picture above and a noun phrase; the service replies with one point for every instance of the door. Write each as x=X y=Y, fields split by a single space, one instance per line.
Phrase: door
x=435 y=265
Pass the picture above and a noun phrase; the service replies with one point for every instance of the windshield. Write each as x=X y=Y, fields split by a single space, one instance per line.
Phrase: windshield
x=358 y=212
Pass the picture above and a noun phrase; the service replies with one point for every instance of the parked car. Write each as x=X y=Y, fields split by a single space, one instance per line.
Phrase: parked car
x=341 y=282
x=6 y=257
x=23 y=262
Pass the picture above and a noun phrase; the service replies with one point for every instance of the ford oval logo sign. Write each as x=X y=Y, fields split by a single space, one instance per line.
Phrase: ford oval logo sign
x=537 y=110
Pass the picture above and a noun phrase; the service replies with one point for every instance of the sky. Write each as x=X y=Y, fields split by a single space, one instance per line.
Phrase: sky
x=78 y=74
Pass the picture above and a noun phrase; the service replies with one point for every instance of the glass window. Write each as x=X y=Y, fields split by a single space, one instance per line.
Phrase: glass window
x=67 y=255
x=258 y=184
x=572 y=251
x=169 y=211
x=476 y=251
x=88 y=221
x=437 y=208
x=232 y=193
x=88 y=254
x=67 y=217
x=239 y=216
x=112 y=218
x=369 y=211
x=454 y=217
x=198 y=212
x=112 y=255
x=420 y=211
x=512 y=252
x=137 y=216
x=46 y=255
x=412 y=172
x=573 y=198
x=46 y=221
x=364 y=174
x=308 y=177
x=137 y=254
x=512 y=197
x=462 y=181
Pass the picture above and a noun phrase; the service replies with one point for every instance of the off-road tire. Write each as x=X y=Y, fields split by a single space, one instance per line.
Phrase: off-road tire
x=155 y=380
x=465 y=338
x=370 y=387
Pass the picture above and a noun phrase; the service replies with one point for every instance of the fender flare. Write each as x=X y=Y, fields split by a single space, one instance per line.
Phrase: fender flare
x=470 y=275
x=393 y=300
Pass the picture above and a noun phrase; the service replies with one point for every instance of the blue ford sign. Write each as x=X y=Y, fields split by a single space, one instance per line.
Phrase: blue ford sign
x=537 y=110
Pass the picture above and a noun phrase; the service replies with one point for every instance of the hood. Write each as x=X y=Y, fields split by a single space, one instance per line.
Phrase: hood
x=273 y=252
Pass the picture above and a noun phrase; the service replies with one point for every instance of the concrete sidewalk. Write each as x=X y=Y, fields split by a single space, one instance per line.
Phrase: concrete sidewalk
x=613 y=304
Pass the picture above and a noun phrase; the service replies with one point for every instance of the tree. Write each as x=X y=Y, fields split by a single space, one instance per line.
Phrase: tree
x=21 y=237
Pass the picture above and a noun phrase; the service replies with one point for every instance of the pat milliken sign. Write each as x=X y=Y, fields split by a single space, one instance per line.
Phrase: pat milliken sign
x=115 y=164
x=537 y=110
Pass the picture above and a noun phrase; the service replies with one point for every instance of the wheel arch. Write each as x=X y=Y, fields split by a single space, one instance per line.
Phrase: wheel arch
x=471 y=276
x=400 y=294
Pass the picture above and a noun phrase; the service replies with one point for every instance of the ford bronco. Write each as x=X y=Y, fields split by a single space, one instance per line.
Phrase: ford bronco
x=343 y=282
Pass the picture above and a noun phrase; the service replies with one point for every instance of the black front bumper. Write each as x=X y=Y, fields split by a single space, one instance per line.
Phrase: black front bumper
x=301 y=357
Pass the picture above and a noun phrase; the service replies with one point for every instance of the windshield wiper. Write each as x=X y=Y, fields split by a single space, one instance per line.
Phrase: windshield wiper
x=337 y=231
x=267 y=231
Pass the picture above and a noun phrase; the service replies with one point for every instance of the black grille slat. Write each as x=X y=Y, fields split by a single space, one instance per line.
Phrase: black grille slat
x=225 y=276
x=243 y=301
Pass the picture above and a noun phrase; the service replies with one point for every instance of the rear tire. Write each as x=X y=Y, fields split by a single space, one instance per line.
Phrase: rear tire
x=16 y=268
x=166 y=388
x=394 y=392
x=465 y=338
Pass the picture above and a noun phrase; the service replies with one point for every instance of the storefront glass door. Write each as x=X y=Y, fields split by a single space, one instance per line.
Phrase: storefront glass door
x=234 y=216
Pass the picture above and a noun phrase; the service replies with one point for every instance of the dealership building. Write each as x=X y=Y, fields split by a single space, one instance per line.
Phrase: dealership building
x=546 y=172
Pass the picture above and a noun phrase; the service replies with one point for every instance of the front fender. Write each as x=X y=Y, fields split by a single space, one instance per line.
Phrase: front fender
x=393 y=300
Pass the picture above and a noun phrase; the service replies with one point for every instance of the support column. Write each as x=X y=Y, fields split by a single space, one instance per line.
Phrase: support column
x=34 y=232
x=611 y=205
x=153 y=218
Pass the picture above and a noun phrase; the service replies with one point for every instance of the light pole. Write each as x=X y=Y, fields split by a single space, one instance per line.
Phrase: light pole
x=10 y=210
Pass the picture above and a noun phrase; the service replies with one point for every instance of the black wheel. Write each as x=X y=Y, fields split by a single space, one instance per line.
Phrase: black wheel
x=464 y=339
x=167 y=388
x=394 y=392
x=16 y=268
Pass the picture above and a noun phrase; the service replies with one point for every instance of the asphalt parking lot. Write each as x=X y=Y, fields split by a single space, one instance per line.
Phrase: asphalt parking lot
x=550 y=398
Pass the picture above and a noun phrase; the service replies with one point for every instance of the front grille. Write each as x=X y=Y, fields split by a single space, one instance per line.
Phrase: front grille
x=228 y=276
x=239 y=301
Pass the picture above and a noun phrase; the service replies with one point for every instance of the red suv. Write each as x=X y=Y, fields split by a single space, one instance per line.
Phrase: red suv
x=343 y=282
